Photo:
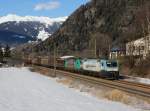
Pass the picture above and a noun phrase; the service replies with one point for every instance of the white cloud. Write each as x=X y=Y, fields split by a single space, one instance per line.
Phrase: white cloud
x=47 y=6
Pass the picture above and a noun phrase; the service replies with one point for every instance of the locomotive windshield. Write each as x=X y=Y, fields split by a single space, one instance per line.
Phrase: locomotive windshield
x=111 y=64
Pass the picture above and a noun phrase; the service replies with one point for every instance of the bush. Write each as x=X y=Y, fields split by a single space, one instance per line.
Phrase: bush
x=142 y=68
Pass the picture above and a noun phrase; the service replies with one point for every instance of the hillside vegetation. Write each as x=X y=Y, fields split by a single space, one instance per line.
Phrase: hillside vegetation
x=110 y=22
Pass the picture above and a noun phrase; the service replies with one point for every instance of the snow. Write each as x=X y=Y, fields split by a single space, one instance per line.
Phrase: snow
x=22 y=90
x=6 y=28
x=66 y=57
x=19 y=36
x=25 y=30
x=144 y=80
x=17 y=19
x=138 y=79
x=35 y=28
x=139 y=41
x=44 y=20
x=43 y=35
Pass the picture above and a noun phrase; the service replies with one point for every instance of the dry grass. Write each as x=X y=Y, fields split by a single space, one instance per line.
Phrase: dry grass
x=117 y=95
x=65 y=81
x=99 y=92
x=83 y=87
x=43 y=71
x=71 y=83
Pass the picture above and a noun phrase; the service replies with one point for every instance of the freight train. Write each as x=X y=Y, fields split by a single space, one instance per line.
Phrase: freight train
x=89 y=66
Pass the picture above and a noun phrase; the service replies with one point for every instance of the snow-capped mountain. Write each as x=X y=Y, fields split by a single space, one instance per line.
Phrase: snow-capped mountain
x=41 y=19
x=27 y=28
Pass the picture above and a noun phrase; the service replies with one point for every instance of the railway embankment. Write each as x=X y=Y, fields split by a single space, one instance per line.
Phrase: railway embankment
x=97 y=90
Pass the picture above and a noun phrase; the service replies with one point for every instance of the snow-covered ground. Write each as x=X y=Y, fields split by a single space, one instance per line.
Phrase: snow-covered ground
x=138 y=79
x=22 y=90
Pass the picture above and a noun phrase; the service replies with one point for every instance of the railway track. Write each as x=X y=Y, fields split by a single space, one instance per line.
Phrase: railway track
x=135 y=83
x=130 y=87
x=126 y=86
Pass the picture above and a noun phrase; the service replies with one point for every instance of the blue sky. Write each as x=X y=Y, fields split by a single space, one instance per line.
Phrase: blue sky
x=50 y=8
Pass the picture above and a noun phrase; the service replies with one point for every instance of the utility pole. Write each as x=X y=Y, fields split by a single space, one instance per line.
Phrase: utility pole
x=109 y=57
x=95 y=47
x=49 y=59
x=23 y=58
x=32 y=56
x=54 y=60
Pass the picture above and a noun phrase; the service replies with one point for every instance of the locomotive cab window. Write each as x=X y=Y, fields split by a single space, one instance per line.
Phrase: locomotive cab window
x=111 y=64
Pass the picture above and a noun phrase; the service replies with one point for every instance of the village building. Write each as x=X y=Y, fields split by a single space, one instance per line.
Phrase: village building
x=116 y=52
x=139 y=47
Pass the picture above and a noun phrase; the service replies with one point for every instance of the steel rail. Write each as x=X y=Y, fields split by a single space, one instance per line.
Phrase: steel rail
x=135 y=84
x=132 y=88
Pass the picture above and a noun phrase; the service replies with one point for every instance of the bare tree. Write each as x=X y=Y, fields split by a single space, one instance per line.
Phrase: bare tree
x=101 y=44
x=143 y=21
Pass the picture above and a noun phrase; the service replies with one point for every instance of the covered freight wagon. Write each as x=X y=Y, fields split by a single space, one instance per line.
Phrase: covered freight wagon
x=73 y=63
x=78 y=63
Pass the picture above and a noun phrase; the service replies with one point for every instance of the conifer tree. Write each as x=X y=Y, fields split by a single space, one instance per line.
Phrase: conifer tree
x=7 y=52
x=1 y=54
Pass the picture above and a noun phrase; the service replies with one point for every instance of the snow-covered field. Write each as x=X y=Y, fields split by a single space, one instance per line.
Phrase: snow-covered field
x=22 y=90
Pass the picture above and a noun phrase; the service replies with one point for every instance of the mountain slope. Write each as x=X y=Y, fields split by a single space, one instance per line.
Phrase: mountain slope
x=33 y=27
x=29 y=28
x=7 y=37
x=111 y=22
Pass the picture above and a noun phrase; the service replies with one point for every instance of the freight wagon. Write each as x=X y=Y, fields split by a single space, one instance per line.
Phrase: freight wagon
x=94 y=67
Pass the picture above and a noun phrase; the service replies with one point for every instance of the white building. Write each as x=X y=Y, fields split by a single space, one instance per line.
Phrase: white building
x=139 y=47
x=116 y=53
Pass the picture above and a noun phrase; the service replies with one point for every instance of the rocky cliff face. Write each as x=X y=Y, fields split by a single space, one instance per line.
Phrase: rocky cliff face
x=112 y=22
